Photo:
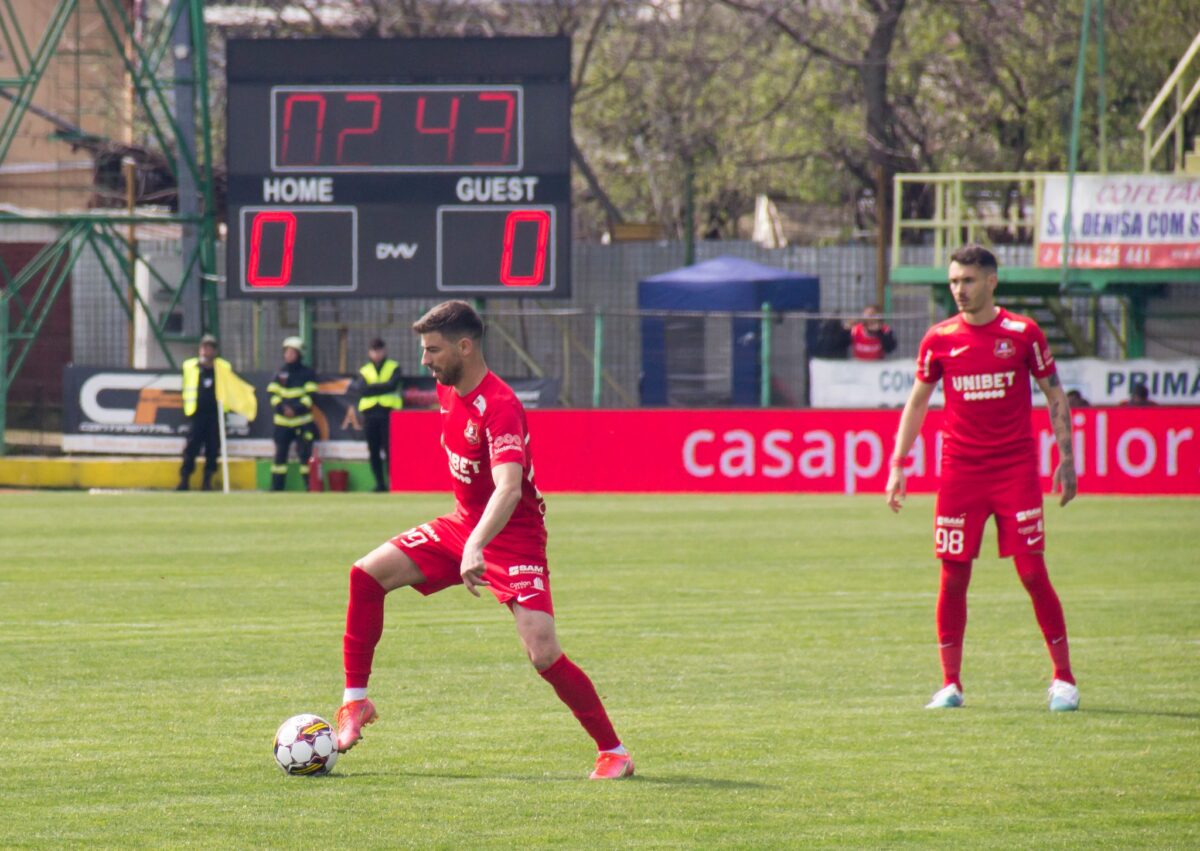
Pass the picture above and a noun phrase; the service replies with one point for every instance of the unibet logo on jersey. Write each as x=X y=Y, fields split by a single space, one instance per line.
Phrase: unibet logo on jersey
x=988 y=385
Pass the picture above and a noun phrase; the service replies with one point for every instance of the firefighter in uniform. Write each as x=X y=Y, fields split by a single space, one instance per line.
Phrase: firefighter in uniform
x=200 y=407
x=292 y=392
x=378 y=383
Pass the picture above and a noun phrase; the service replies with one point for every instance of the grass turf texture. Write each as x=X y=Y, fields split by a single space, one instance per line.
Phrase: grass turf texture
x=765 y=658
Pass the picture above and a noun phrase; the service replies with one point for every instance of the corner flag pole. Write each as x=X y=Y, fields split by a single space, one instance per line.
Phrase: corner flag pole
x=224 y=447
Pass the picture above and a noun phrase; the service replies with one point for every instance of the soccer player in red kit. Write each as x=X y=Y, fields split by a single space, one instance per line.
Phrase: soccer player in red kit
x=495 y=539
x=984 y=358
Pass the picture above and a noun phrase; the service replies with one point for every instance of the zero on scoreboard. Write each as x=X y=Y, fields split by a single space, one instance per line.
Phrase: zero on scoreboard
x=378 y=168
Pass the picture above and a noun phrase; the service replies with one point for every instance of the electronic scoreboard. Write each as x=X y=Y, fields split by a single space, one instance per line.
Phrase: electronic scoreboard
x=378 y=168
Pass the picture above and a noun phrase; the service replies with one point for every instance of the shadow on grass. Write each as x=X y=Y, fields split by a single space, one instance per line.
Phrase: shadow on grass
x=677 y=780
x=700 y=782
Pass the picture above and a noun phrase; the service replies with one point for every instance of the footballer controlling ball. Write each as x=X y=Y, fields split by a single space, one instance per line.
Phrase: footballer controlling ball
x=305 y=744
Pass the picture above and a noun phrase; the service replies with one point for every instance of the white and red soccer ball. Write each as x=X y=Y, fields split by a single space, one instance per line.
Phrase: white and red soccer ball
x=306 y=744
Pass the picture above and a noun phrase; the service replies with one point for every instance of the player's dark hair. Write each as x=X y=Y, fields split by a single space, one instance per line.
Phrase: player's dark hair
x=452 y=319
x=377 y=344
x=974 y=254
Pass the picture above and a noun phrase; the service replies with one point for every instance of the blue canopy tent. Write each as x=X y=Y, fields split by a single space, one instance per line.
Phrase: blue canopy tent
x=722 y=284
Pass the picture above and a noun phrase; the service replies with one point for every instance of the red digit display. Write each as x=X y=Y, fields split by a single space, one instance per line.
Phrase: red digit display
x=397 y=128
x=372 y=128
x=318 y=125
x=540 y=220
x=497 y=248
x=254 y=274
x=301 y=249
x=448 y=130
x=505 y=129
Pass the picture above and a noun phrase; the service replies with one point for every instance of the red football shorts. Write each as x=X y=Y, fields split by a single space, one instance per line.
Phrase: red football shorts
x=967 y=498
x=516 y=573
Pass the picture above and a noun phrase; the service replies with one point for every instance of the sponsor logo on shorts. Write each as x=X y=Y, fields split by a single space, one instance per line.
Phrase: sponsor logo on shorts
x=471 y=432
x=539 y=584
x=521 y=598
x=418 y=535
x=1005 y=348
x=517 y=586
x=957 y=522
x=1029 y=514
x=519 y=569
x=1030 y=529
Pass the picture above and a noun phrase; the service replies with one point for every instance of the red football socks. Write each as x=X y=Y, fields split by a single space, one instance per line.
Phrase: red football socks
x=574 y=689
x=952 y=619
x=364 y=626
x=1031 y=567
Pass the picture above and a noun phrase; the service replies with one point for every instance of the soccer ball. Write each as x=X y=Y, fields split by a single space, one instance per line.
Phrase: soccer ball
x=305 y=744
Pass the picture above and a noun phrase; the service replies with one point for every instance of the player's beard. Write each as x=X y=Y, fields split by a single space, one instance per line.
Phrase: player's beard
x=450 y=374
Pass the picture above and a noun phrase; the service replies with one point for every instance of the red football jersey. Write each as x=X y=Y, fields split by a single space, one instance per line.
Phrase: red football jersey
x=484 y=428
x=864 y=345
x=985 y=372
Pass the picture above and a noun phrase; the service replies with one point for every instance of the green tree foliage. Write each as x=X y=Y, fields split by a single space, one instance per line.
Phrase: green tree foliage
x=808 y=98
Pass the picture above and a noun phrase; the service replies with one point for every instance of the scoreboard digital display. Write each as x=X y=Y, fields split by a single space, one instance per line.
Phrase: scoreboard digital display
x=384 y=168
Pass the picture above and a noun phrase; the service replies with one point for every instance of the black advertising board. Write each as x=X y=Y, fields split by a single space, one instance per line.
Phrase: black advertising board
x=141 y=411
x=382 y=168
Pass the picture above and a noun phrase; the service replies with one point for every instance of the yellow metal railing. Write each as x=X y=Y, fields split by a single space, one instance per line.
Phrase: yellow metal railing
x=1183 y=103
x=970 y=207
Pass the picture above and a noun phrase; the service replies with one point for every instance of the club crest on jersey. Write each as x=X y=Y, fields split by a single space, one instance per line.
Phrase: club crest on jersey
x=1004 y=348
x=471 y=432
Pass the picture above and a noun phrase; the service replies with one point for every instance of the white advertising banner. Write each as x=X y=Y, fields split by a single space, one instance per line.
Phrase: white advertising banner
x=886 y=384
x=1122 y=221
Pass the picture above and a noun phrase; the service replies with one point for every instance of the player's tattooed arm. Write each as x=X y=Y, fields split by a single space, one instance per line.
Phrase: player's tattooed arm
x=1060 y=421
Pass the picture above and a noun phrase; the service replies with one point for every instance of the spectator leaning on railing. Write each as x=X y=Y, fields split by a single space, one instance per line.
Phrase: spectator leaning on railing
x=871 y=338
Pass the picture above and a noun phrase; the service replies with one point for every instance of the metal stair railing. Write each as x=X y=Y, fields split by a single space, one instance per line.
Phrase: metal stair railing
x=1182 y=104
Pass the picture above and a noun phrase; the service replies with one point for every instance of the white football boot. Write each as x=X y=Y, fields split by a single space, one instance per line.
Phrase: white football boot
x=951 y=697
x=1064 y=697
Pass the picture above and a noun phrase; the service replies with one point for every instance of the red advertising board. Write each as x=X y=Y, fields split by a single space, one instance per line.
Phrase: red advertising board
x=1152 y=450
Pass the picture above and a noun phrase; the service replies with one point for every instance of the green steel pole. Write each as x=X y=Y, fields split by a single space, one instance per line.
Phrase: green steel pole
x=1101 y=98
x=1073 y=153
x=3 y=371
x=208 y=229
x=764 y=353
x=597 y=358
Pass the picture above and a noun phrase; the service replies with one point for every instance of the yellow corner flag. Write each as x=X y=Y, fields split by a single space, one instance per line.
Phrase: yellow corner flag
x=233 y=393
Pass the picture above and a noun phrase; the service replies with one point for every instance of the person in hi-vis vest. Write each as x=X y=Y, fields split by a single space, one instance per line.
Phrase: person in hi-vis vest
x=378 y=383
x=200 y=407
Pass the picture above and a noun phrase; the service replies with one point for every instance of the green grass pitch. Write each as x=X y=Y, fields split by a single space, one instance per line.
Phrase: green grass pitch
x=765 y=658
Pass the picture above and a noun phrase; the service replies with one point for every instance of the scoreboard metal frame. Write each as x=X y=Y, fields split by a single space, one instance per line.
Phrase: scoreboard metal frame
x=395 y=168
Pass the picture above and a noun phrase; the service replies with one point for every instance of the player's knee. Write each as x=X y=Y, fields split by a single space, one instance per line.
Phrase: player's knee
x=543 y=657
x=543 y=650
x=1032 y=571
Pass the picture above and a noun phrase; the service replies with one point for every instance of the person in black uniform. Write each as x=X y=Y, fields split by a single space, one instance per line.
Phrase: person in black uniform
x=378 y=383
x=292 y=392
x=200 y=407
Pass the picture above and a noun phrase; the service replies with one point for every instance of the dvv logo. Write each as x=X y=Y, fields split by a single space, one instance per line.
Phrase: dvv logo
x=394 y=250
